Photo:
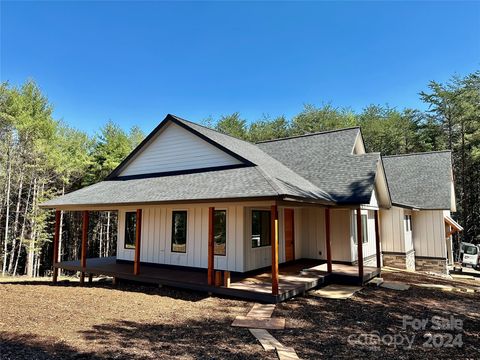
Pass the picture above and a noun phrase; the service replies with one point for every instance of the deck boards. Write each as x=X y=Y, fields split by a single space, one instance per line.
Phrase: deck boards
x=295 y=279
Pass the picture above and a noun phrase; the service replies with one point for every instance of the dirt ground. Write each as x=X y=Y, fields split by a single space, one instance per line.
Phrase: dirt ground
x=66 y=321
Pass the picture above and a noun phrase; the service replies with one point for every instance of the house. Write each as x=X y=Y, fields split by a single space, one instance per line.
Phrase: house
x=417 y=231
x=272 y=219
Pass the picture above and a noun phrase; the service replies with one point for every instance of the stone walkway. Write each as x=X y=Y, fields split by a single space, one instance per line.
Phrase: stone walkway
x=258 y=320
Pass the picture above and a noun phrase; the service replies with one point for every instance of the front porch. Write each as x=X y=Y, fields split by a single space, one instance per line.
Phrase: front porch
x=294 y=278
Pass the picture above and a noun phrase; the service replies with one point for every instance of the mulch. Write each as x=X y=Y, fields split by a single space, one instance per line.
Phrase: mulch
x=66 y=321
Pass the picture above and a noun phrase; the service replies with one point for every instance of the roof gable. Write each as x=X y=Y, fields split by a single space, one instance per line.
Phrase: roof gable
x=175 y=149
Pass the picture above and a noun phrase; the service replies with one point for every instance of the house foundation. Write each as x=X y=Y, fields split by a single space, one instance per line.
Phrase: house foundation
x=438 y=265
x=400 y=260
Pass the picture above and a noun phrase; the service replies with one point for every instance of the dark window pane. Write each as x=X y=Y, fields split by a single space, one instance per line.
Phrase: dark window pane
x=130 y=229
x=179 y=231
x=260 y=228
x=364 y=228
x=220 y=232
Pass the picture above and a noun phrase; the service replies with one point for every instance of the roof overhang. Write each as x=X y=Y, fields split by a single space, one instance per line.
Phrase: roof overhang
x=456 y=227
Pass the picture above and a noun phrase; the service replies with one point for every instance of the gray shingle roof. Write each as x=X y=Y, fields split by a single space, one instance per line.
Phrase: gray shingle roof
x=223 y=184
x=422 y=180
x=326 y=160
x=263 y=176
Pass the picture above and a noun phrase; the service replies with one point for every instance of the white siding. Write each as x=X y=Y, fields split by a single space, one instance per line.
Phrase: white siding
x=392 y=230
x=369 y=247
x=157 y=232
x=174 y=149
x=429 y=236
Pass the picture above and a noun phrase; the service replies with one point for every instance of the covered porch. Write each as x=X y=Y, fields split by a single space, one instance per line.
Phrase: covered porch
x=293 y=279
x=274 y=283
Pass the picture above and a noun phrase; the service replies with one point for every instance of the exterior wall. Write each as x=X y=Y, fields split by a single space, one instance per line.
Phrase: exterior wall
x=392 y=228
x=429 y=234
x=342 y=225
x=177 y=149
x=157 y=232
x=397 y=242
x=369 y=248
x=309 y=230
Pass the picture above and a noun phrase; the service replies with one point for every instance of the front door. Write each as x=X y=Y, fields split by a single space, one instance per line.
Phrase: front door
x=289 y=235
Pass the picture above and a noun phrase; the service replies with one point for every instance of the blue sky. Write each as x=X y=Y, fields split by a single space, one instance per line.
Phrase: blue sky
x=134 y=62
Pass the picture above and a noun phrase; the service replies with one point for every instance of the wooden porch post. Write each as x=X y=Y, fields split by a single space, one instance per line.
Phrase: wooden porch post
x=377 y=241
x=360 y=244
x=327 y=239
x=138 y=238
x=56 y=238
x=274 y=242
x=211 y=246
x=83 y=258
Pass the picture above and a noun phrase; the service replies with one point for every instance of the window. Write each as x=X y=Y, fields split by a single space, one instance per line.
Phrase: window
x=260 y=228
x=408 y=222
x=364 y=228
x=179 y=231
x=220 y=232
x=130 y=229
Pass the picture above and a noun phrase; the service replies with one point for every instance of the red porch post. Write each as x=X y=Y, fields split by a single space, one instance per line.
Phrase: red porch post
x=360 y=244
x=377 y=241
x=83 y=258
x=327 y=239
x=138 y=238
x=274 y=242
x=56 y=238
x=211 y=246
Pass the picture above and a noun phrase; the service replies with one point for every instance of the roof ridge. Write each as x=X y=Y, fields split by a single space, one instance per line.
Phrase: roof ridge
x=308 y=134
x=208 y=128
x=418 y=153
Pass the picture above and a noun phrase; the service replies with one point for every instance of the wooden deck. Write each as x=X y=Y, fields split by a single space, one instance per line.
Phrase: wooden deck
x=295 y=278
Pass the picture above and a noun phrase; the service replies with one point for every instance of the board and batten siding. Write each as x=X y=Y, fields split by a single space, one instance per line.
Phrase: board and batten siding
x=157 y=235
x=175 y=149
x=369 y=247
x=429 y=237
x=394 y=237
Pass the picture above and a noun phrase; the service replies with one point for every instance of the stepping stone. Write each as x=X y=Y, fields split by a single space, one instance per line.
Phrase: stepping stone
x=376 y=282
x=266 y=339
x=336 y=291
x=395 y=286
x=261 y=311
x=261 y=323
x=287 y=353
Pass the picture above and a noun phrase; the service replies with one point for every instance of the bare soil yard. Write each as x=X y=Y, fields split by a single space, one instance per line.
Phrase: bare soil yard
x=66 y=321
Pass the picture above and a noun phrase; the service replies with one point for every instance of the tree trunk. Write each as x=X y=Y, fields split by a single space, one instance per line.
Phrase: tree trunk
x=107 y=234
x=22 y=232
x=31 y=246
x=15 y=224
x=7 y=214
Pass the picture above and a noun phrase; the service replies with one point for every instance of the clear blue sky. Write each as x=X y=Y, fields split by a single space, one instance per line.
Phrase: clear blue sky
x=134 y=62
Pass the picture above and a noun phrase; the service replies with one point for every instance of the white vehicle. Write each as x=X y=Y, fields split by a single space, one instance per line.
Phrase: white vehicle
x=469 y=255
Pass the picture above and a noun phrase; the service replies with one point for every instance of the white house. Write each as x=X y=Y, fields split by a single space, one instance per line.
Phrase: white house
x=189 y=197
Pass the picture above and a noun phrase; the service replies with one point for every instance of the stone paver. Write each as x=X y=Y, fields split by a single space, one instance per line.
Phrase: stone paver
x=376 y=282
x=261 y=311
x=266 y=339
x=336 y=291
x=395 y=285
x=259 y=323
x=287 y=354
